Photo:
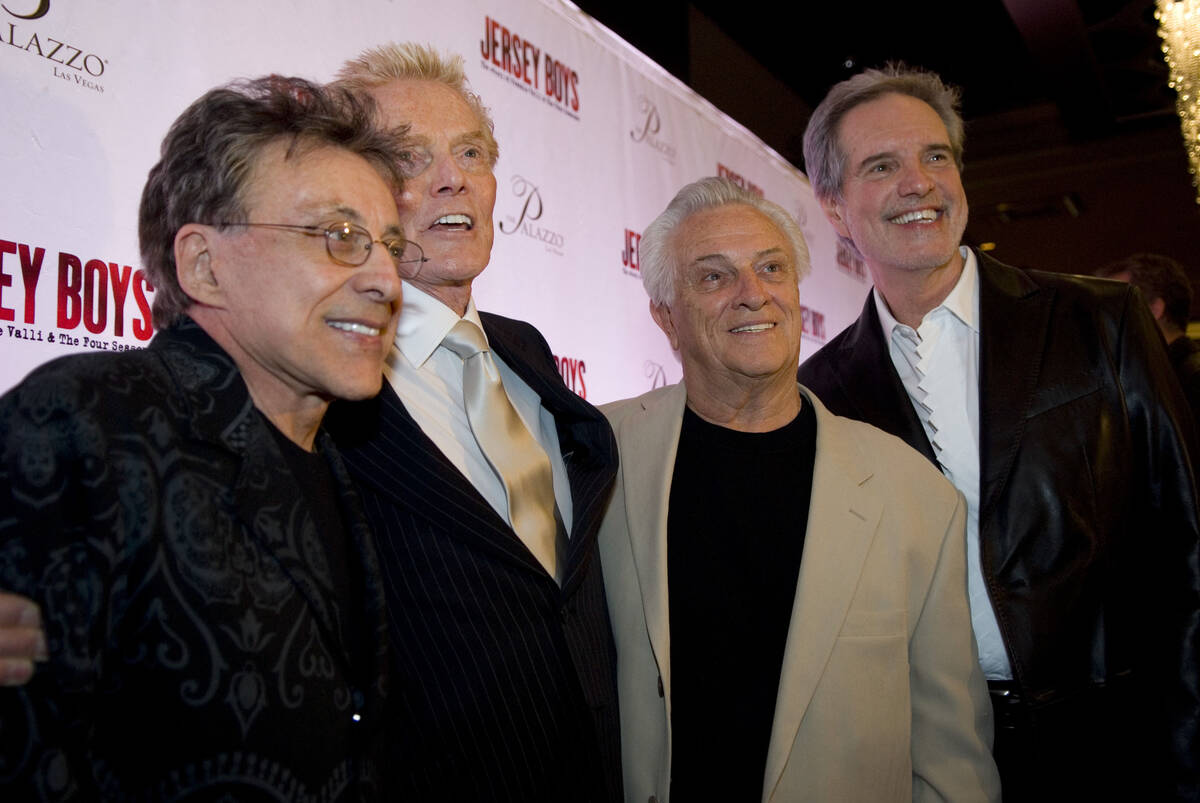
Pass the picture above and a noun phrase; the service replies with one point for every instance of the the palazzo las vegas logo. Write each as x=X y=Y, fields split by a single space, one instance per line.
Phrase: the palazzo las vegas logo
x=527 y=220
x=68 y=62
x=647 y=131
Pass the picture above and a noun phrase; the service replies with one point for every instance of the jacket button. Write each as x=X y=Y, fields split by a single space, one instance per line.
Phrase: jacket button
x=660 y=686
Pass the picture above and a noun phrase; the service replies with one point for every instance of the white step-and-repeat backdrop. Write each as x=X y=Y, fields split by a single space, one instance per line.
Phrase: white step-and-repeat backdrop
x=594 y=138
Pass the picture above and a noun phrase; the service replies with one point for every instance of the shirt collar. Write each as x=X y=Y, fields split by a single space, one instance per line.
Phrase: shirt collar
x=424 y=322
x=962 y=301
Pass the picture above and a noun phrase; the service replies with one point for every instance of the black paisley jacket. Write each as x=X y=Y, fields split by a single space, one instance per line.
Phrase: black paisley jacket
x=192 y=623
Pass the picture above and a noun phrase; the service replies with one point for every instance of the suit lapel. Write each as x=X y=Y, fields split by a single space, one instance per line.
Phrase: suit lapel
x=649 y=442
x=585 y=438
x=374 y=604
x=871 y=386
x=388 y=455
x=1014 y=314
x=842 y=520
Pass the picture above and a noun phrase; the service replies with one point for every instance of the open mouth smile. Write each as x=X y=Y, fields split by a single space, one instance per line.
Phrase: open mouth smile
x=457 y=222
x=916 y=216
x=357 y=328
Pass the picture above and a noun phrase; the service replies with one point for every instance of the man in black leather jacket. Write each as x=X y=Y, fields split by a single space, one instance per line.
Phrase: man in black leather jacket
x=1048 y=400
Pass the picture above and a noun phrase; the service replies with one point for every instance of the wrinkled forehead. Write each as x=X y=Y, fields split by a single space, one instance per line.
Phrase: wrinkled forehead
x=431 y=109
x=728 y=231
x=888 y=121
x=316 y=178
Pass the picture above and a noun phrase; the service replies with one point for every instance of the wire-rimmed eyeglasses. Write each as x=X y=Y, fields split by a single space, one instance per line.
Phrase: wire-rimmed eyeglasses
x=350 y=244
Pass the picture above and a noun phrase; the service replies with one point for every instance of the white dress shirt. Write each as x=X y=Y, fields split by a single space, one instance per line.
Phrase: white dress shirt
x=428 y=378
x=938 y=363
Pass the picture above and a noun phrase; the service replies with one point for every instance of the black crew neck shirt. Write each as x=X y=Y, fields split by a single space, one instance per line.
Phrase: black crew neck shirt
x=735 y=535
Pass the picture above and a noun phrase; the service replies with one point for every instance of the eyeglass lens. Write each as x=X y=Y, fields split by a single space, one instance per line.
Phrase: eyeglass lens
x=352 y=245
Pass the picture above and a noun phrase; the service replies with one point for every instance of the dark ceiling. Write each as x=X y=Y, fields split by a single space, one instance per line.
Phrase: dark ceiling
x=1074 y=155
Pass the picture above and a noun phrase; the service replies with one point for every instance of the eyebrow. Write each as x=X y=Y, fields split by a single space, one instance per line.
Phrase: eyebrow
x=324 y=210
x=350 y=212
x=352 y=215
x=411 y=140
x=725 y=259
x=475 y=137
x=933 y=146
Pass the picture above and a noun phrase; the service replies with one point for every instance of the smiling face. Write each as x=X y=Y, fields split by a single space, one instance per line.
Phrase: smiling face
x=301 y=327
x=450 y=191
x=902 y=202
x=735 y=318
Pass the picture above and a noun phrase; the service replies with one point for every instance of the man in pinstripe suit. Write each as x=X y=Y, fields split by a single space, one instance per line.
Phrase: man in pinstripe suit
x=506 y=675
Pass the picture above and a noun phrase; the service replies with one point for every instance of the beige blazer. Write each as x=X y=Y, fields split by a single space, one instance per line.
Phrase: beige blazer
x=880 y=697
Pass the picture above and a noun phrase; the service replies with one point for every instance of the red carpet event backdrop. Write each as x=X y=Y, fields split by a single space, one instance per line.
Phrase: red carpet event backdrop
x=594 y=138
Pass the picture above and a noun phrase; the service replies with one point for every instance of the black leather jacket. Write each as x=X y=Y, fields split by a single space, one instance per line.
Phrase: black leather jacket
x=1088 y=515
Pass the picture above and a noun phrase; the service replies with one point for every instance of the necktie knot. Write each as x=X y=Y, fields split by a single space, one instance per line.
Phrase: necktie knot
x=465 y=340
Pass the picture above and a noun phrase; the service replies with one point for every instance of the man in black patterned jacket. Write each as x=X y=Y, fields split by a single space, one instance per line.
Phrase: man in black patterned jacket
x=210 y=591
x=509 y=685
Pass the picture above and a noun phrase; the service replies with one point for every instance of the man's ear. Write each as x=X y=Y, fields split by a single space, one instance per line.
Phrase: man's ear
x=1157 y=307
x=194 y=264
x=661 y=314
x=835 y=213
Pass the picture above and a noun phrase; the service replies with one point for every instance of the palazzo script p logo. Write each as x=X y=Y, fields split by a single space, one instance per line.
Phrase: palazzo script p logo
x=42 y=9
x=523 y=188
x=650 y=125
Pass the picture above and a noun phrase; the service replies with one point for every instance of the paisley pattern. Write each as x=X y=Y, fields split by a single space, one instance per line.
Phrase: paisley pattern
x=191 y=617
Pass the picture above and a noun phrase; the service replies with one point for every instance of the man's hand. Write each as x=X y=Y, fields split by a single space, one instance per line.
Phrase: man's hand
x=21 y=639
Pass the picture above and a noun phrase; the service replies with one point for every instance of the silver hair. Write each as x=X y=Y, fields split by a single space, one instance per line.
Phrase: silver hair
x=410 y=61
x=657 y=255
x=824 y=158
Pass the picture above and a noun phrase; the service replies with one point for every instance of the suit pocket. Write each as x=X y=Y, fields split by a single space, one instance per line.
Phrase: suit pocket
x=869 y=624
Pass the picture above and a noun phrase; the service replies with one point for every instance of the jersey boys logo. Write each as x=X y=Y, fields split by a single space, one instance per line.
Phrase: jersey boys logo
x=648 y=128
x=68 y=62
x=96 y=294
x=812 y=323
x=572 y=371
x=527 y=66
x=527 y=222
x=739 y=179
x=630 y=263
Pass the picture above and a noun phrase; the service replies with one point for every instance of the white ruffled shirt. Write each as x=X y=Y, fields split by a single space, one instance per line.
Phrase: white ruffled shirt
x=938 y=363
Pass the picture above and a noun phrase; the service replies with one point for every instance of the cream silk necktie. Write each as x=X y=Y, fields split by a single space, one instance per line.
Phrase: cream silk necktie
x=507 y=444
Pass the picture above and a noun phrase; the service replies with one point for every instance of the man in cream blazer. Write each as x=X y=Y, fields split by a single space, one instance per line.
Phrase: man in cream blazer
x=879 y=695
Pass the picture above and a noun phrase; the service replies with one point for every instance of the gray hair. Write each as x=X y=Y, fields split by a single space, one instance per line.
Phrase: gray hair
x=409 y=61
x=656 y=254
x=824 y=158
x=209 y=153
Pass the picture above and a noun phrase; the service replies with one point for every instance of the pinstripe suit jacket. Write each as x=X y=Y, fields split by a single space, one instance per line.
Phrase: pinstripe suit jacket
x=506 y=684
